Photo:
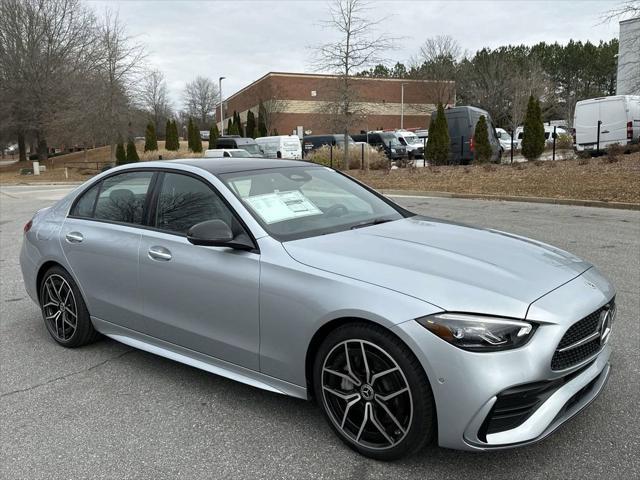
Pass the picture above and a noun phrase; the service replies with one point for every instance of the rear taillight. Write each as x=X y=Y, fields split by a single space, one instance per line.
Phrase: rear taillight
x=472 y=144
x=629 y=130
x=27 y=226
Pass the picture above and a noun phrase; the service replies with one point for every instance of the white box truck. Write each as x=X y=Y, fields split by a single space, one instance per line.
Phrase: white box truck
x=600 y=122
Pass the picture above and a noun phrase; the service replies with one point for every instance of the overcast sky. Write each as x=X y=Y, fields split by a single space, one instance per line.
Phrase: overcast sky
x=243 y=40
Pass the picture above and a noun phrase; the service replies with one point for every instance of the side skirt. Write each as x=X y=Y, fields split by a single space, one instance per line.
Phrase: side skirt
x=198 y=360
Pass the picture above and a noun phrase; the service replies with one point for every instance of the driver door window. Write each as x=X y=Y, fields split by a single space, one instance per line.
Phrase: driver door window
x=184 y=201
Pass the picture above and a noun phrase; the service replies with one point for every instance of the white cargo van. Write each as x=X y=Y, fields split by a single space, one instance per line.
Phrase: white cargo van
x=548 y=135
x=619 y=118
x=281 y=146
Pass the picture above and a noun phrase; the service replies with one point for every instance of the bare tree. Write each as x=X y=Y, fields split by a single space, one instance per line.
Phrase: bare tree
x=358 y=47
x=47 y=48
x=200 y=99
x=120 y=69
x=153 y=98
x=437 y=60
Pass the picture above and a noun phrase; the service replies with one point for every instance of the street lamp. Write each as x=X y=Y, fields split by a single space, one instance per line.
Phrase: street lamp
x=402 y=106
x=221 y=106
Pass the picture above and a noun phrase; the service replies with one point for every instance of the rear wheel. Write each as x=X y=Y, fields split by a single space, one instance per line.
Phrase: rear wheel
x=374 y=392
x=64 y=311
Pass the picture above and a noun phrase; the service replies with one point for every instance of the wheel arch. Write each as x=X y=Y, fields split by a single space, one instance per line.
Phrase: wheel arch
x=43 y=269
x=322 y=333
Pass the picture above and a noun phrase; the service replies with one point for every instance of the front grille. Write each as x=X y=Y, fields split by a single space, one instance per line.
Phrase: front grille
x=573 y=348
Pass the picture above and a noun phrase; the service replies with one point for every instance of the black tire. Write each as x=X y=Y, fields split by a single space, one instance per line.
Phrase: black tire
x=420 y=426
x=83 y=332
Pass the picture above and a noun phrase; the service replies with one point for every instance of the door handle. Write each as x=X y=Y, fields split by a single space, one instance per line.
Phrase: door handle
x=604 y=131
x=159 y=253
x=74 y=237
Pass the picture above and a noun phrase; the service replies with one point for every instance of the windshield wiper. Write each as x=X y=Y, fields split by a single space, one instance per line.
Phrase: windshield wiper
x=376 y=221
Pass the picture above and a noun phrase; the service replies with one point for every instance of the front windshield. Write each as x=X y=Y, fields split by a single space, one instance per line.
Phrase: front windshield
x=240 y=154
x=251 y=148
x=300 y=202
x=411 y=140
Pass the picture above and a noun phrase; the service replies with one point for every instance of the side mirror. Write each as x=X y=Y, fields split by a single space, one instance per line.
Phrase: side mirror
x=216 y=233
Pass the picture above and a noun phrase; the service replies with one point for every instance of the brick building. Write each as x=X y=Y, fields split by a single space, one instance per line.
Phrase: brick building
x=297 y=99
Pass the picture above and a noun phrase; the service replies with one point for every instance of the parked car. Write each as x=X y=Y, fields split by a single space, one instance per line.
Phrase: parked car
x=204 y=134
x=281 y=146
x=504 y=138
x=384 y=141
x=619 y=118
x=462 y=125
x=311 y=142
x=227 y=152
x=296 y=279
x=548 y=135
x=244 y=143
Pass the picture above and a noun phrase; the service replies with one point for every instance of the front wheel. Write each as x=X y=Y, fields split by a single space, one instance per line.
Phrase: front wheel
x=374 y=392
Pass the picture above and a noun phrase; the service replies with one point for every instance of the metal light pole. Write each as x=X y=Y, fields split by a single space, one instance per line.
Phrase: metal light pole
x=221 y=106
x=402 y=106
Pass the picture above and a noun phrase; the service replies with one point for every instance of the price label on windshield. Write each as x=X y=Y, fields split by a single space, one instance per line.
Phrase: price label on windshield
x=279 y=206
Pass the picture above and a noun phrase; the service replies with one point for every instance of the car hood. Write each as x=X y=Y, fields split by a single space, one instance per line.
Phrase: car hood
x=453 y=266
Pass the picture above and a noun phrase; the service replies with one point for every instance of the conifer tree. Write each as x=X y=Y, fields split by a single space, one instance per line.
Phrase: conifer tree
x=533 y=136
x=230 y=127
x=262 y=126
x=132 y=153
x=482 y=146
x=251 y=125
x=150 y=140
x=438 y=143
x=176 y=137
x=168 y=136
x=197 y=139
x=121 y=154
x=190 y=134
x=214 y=134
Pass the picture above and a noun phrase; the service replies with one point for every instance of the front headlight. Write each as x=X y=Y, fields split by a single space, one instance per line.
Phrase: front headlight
x=478 y=333
x=393 y=150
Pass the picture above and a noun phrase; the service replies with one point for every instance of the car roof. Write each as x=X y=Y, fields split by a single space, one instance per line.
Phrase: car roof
x=218 y=166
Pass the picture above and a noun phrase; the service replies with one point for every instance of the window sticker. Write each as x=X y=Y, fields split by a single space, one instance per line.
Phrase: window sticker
x=278 y=206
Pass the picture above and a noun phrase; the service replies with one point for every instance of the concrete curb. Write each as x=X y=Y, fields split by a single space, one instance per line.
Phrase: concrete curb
x=508 y=198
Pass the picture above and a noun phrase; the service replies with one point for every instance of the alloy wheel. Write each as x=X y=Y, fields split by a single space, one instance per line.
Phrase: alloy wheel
x=366 y=394
x=59 y=307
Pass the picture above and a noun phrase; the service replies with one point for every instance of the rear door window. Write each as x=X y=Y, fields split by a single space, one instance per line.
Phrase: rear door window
x=122 y=197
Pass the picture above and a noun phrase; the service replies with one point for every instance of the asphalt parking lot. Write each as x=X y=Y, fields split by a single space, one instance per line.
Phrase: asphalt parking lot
x=107 y=411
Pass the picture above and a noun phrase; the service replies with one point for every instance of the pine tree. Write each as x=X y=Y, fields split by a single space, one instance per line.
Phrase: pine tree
x=150 y=140
x=438 y=144
x=482 y=147
x=121 y=154
x=190 y=134
x=176 y=137
x=132 y=153
x=262 y=126
x=197 y=139
x=533 y=135
x=238 y=123
x=250 y=128
x=214 y=134
x=230 y=127
x=168 y=139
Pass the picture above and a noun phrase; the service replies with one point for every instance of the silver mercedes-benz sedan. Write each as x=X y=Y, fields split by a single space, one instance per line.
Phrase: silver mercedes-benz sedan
x=297 y=279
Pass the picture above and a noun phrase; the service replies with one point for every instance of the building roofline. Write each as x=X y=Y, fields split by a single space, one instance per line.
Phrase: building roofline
x=629 y=20
x=329 y=75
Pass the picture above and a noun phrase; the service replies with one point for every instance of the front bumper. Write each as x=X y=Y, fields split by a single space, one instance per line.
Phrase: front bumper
x=466 y=385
